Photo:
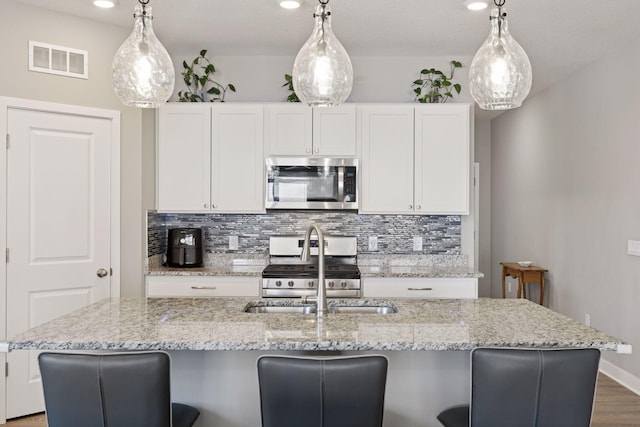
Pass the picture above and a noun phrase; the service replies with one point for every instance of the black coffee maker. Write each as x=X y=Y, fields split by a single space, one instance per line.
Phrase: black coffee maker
x=184 y=247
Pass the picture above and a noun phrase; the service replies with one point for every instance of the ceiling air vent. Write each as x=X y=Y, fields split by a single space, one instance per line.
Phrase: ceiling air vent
x=63 y=61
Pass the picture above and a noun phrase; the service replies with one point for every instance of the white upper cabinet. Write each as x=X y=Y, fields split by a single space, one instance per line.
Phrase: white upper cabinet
x=183 y=154
x=415 y=159
x=237 y=158
x=210 y=158
x=299 y=130
x=386 y=167
x=443 y=167
x=290 y=130
x=334 y=131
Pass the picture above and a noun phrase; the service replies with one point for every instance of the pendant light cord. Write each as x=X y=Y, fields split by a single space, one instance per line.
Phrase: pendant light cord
x=324 y=14
x=499 y=4
x=144 y=4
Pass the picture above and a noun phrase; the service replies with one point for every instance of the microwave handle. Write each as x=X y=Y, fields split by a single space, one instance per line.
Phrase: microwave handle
x=341 y=183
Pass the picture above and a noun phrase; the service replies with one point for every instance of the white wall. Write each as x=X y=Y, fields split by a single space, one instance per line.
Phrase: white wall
x=565 y=194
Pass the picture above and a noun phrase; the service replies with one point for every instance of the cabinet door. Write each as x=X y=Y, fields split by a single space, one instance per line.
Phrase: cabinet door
x=390 y=287
x=386 y=171
x=290 y=130
x=183 y=157
x=237 y=172
x=334 y=131
x=442 y=168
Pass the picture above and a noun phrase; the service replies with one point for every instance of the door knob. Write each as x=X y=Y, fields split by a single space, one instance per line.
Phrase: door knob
x=102 y=272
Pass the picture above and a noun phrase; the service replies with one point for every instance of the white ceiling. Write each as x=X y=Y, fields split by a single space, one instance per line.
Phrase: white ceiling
x=559 y=36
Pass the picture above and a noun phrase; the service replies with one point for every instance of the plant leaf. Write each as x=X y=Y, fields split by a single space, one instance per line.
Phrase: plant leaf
x=232 y=88
x=203 y=52
x=457 y=87
x=418 y=82
x=214 y=91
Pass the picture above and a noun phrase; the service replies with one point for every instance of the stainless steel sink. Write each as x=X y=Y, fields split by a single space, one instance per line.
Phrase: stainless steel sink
x=282 y=309
x=333 y=308
x=363 y=309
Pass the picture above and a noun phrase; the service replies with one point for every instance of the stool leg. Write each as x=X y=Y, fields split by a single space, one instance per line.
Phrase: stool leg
x=542 y=289
x=504 y=295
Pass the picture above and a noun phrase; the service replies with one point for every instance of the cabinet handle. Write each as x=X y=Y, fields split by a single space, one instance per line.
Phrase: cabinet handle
x=317 y=150
x=206 y=205
x=210 y=288
x=418 y=207
x=410 y=206
x=214 y=206
x=419 y=289
x=308 y=150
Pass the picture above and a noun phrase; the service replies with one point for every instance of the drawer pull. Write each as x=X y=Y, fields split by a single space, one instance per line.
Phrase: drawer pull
x=210 y=288
x=419 y=289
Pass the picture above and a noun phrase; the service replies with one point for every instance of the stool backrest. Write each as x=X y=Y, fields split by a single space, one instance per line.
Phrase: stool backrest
x=541 y=388
x=322 y=392
x=106 y=390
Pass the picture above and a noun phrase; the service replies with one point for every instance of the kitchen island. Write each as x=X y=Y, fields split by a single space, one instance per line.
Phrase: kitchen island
x=427 y=343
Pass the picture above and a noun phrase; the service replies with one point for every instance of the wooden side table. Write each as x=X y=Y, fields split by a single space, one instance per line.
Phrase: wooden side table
x=524 y=275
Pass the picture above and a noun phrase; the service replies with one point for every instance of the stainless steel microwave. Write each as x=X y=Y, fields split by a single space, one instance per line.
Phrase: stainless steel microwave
x=312 y=183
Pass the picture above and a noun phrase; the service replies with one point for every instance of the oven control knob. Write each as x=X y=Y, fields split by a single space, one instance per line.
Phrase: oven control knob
x=310 y=284
x=278 y=283
x=343 y=284
x=290 y=283
x=331 y=284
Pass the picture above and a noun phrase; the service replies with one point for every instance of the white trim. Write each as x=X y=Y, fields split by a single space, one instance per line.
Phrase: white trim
x=3 y=248
x=114 y=117
x=621 y=376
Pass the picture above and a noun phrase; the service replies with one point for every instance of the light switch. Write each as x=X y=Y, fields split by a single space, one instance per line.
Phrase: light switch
x=233 y=243
x=417 y=243
x=373 y=243
x=633 y=247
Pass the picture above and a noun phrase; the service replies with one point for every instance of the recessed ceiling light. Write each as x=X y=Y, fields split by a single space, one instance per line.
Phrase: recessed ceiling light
x=289 y=4
x=105 y=4
x=476 y=4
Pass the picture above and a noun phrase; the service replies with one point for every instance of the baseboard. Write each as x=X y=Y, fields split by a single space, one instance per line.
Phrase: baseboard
x=621 y=376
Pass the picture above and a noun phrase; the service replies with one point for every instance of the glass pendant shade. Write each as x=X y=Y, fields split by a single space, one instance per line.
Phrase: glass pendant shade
x=500 y=73
x=322 y=72
x=143 y=73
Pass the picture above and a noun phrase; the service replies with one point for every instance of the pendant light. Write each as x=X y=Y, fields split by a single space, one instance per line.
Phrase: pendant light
x=322 y=73
x=143 y=73
x=500 y=73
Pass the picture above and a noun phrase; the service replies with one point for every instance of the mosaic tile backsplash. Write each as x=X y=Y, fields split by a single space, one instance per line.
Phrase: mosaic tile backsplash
x=441 y=235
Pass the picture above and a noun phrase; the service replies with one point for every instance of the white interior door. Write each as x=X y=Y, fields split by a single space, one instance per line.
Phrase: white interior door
x=58 y=230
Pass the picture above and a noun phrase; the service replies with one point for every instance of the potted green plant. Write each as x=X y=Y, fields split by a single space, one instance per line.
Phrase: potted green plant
x=434 y=86
x=200 y=85
x=288 y=82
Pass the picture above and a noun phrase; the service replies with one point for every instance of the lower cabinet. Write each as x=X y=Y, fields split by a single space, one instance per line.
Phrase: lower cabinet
x=402 y=287
x=202 y=286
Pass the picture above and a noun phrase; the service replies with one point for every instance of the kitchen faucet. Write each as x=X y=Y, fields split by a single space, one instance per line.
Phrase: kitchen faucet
x=321 y=297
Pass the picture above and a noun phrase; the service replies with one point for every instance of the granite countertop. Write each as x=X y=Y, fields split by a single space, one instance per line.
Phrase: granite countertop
x=222 y=324
x=436 y=266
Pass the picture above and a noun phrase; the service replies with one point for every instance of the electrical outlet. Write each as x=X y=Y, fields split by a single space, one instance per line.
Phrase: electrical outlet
x=417 y=243
x=587 y=319
x=373 y=243
x=233 y=243
x=633 y=247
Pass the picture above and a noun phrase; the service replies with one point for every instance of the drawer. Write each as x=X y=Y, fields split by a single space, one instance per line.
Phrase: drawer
x=184 y=286
x=402 y=287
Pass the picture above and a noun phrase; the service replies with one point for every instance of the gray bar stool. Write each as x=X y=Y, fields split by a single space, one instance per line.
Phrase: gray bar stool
x=100 y=390
x=524 y=388
x=322 y=392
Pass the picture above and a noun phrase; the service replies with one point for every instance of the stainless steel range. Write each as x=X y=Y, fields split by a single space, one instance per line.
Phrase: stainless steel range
x=287 y=276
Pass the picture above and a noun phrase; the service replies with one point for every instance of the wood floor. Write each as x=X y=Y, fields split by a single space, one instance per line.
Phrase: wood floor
x=615 y=406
